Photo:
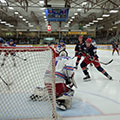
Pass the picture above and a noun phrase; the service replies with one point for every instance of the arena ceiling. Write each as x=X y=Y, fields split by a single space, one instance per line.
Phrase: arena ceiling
x=29 y=14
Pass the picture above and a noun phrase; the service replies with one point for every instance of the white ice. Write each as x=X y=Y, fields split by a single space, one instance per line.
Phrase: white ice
x=100 y=93
x=98 y=99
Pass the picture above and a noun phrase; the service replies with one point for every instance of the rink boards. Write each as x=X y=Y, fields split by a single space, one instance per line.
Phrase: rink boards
x=104 y=47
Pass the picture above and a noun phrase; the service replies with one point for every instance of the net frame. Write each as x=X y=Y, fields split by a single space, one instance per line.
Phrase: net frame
x=50 y=86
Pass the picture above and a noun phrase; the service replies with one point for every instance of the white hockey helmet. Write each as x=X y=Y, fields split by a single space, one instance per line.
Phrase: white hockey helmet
x=63 y=53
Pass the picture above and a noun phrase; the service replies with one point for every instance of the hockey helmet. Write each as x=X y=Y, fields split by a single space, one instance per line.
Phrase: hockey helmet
x=11 y=40
x=1 y=40
x=61 y=41
x=89 y=40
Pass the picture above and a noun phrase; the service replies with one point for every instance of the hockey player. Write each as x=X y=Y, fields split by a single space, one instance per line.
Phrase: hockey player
x=9 y=44
x=77 y=50
x=64 y=82
x=93 y=43
x=115 y=47
x=61 y=47
x=1 y=42
x=89 y=52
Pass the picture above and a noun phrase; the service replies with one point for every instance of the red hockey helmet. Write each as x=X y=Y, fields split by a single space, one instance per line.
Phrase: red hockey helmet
x=80 y=37
x=89 y=40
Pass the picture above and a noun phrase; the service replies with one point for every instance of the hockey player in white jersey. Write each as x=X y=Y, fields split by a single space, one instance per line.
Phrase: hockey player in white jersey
x=94 y=43
x=1 y=42
x=61 y=47
x=64 y=73
x=12 y=54
x=64 y=82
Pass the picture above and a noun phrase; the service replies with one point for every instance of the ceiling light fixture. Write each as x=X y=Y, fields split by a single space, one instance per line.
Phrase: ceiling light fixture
x=11 y=8
x=95 y=21
x=2 y=1
x=16 y=13
x=24 y=19
x=79 y=9
x=73 y=17
x=3 y=22
x=41 y=2
x=20 y=16
x=106 y=15
x=11 y=25
x=115 y=27
x=91 y=23
x=84 y=3
x=113 y=11
x=99 y=18
x=75 y=13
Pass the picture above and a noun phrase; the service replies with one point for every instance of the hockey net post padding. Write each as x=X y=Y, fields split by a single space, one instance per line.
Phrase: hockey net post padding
x=37 y=71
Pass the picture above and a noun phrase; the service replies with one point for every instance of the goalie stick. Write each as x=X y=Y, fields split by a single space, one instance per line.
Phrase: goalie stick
x=7 y=84
x=72 y=81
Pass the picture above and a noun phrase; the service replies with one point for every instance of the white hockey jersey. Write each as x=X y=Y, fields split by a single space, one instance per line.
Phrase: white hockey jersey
x=63 y=68
x=60 y=48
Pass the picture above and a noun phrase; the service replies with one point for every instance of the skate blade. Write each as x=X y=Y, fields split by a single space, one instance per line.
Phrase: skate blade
x=87 y=80
x=61 y=107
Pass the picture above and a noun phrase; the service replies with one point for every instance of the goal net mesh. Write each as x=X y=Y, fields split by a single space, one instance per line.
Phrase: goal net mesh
x=21 y=71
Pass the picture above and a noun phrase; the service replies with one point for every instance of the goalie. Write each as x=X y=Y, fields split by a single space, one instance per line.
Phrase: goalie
x=64 y=82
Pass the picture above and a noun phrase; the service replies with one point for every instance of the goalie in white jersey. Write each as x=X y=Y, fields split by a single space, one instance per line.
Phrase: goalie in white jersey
x=64 y=82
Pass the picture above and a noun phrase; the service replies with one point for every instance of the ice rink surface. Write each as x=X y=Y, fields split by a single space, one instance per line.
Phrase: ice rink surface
x=98 y=99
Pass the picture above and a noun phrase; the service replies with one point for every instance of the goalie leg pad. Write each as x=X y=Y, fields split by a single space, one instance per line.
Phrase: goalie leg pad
x=38 y=94
x=65 y=102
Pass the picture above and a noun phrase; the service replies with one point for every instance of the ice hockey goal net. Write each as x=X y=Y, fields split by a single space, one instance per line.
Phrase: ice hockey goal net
x=22 y=69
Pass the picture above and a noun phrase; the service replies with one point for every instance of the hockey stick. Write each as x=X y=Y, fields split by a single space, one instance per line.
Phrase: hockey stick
x=20 y=58
x=73 y=57
x=8 y=85
x=107 y=63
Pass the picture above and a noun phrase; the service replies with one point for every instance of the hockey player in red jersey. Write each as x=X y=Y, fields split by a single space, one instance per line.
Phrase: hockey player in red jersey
x=89 y=52
x=77 y=50
x=115 y=47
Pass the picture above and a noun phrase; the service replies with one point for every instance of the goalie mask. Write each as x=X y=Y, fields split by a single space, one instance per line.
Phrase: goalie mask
x=63 y=53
